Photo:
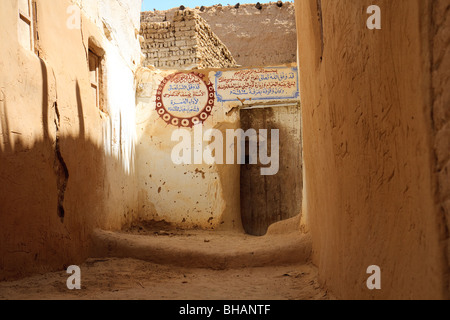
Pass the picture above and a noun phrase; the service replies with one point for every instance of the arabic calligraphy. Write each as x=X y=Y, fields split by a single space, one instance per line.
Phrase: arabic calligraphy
x=185 y=99
x=257 y=84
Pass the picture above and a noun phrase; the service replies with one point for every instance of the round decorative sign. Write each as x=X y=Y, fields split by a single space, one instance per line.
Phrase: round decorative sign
x=185 y=99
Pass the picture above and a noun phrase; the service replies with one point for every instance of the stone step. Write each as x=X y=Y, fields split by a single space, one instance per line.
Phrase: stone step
x=205 y=249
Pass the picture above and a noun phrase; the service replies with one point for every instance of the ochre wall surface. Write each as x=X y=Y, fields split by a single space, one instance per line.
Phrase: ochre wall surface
x=441 y=105
x=370 y=193
x=55 y=151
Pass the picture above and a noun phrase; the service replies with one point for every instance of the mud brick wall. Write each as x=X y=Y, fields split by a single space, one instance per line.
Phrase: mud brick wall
x=185 y=41
x=213 y=53
x=256 y=35
x=369 y=157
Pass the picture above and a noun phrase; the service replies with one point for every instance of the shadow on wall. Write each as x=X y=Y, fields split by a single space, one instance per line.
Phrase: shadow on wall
x=53 y=191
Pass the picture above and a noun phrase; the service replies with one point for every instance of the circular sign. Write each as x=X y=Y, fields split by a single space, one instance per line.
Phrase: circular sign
x=185 y=99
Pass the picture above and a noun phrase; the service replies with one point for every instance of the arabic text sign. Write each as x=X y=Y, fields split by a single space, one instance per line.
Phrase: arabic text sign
x=277 y=83
x=185 y=95
x=185 y=99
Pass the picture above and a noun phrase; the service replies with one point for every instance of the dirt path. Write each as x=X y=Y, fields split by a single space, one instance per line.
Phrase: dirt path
x=134 y=279
x=159 y=262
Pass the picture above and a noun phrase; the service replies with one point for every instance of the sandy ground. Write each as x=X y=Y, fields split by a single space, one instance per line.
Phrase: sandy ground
x=218 y=250
x=134 y=279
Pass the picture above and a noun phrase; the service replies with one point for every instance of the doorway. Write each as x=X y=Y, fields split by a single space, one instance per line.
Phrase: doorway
x=272 y=198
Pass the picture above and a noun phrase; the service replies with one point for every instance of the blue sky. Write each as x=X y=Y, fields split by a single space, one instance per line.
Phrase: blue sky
x=149 y=5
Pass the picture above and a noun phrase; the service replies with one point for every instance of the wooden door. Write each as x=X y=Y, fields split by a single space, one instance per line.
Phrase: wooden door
x=269 y=199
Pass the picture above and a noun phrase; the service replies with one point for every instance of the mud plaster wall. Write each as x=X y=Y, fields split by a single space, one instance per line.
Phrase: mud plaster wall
x=254 y=37
x=204 y=196
x=57 y=151
x=368 y=154
x=184 y=41
x=441 y=107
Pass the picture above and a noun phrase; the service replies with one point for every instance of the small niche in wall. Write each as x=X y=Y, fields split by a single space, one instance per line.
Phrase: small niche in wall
x=25 y=24
x=97 y=75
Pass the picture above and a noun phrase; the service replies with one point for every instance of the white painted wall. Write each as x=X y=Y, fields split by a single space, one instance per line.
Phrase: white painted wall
x=120 y=22
x=202 y=195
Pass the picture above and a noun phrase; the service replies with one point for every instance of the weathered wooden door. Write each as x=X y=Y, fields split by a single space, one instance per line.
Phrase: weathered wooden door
x=272 y=198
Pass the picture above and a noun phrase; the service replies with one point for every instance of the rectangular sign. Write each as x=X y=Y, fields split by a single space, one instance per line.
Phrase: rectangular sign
x=276 y=83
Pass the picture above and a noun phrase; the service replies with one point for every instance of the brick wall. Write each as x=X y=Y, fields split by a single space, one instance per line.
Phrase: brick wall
x=255 y=37
x=185 y=41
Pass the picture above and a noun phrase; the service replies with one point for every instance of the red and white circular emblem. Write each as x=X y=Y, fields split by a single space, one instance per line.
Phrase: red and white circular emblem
x=185 y=99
